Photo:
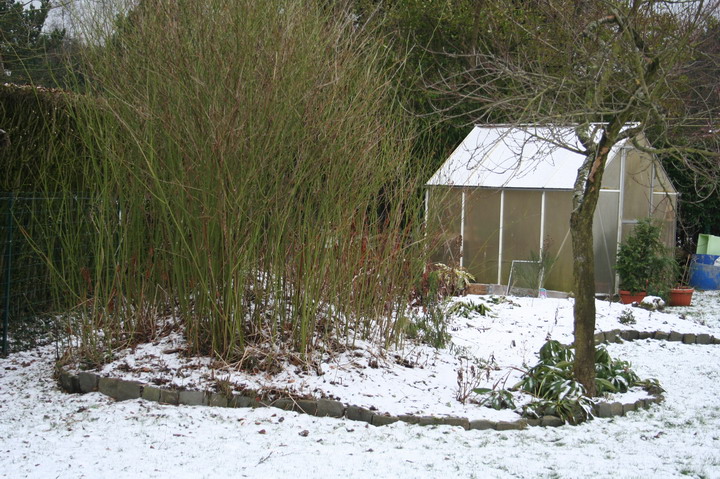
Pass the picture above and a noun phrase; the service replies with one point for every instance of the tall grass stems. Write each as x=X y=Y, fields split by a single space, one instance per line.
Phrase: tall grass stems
x=250 y=174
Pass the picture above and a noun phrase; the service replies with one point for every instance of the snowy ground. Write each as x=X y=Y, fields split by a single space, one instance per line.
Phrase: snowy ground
x=46 y=433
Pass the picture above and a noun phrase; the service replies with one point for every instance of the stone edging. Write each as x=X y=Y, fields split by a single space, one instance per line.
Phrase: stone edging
x=618 y=336
x=120 y=390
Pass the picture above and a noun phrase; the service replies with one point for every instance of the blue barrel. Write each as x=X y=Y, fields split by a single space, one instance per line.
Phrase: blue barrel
x=704 y=274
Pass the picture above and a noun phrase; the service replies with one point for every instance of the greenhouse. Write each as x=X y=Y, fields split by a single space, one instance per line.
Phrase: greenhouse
x=503 y=200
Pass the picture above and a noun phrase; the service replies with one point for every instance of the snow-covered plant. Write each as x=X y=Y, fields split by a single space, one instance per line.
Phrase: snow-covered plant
x=466 y=309
x=613 y=375
x=471 y=374
x=573 y=410
x=440 y=281
x=626 y=317
x=496 y=398
x=552 y=382
x=429 y=326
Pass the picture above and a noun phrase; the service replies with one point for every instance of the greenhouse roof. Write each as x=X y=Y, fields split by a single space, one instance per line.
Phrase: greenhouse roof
x=515 y=157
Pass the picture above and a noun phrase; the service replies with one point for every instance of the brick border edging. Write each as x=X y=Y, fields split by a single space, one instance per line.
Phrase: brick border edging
x=120 y=390
x=620 y=335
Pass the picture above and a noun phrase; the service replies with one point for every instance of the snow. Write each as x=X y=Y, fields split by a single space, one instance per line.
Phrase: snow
x=47 y=433
x=515 y=157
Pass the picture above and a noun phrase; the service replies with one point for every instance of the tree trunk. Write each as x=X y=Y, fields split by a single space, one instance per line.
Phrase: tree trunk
x=581 y=222
x=585 y=197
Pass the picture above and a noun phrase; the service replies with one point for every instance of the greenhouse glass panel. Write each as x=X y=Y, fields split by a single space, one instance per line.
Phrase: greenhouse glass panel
x=638 y=180
x=443 y=224
x=558 y=205
x=605 y=230
x=611 y=177
x=521 y=227
x=662 y=182
x=664 y=209
x=482 y=233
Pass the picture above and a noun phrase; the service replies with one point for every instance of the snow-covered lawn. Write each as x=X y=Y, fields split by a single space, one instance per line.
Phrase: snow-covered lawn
x=46 y=433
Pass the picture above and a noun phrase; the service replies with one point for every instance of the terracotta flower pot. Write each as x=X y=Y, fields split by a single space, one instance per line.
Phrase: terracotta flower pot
x=681 y=296
x=626 y=297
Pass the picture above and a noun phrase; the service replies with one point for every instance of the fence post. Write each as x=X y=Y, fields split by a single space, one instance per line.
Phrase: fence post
x=8 y=270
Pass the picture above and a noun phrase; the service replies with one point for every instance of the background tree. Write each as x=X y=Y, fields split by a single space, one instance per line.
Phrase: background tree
x=613 y=69
x=27 y=53
x=701 y=102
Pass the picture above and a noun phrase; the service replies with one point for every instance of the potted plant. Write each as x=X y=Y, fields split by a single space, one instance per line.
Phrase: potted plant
x=681 y=294
x=644 y=264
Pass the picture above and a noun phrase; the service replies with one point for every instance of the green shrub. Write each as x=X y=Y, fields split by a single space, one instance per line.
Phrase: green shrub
x=429 y=326
x=440 y=281
x=644 y=263
x=556 y=391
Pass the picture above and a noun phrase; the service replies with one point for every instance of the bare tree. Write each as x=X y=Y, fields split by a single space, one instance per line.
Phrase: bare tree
x=612 y=69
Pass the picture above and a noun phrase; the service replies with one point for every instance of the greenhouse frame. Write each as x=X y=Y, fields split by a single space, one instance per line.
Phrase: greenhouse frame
x=505 y=195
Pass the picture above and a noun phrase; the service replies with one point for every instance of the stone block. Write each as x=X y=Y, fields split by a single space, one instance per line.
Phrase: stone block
x=640 y=404
x=626 y=334
x=703 y=338
x=551 y=421
x=511 y=425
x=108 y=386
x=168 y=396
x=151 y=393
x=355 y=413
x=68 y=382
x=411 y=419
x=689 y=338
x=455 y=421
x=661 y=336
x=645 y=334
x=244 y=401
x=675 y=336
x=428 y=421
x=438 y=421
x=285 y=404
x=609 y=409
x=476 y=288
x=599 y=337
x=627 y=408
x=534 y=422
x=381 y=420
x=329 y=408
x=192 y=398
x=483 y=424
x=128 y=390
x=306 y=406
x=602 y=410
x=87 y=382
x=218 y=400
x=715 y=340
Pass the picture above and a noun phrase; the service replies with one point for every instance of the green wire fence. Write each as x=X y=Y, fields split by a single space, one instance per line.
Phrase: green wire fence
x=32 y=262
